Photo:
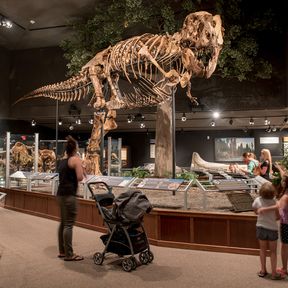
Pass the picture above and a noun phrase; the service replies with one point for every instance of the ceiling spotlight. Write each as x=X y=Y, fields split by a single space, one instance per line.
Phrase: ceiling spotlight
x=71 y=127
x=142 y=125
x=286 y=120
x=274 y=129
x=91 y=121
x=216 y=114
x=268 y=130
x=266 y=122
x=183 y=118
x=5 y=23
x=78 y=121
x=32 y=21
x=231 y=121
x=60 y=122
x=129 y=119
x=251 y=121
x=212 y=123
x=33 y=122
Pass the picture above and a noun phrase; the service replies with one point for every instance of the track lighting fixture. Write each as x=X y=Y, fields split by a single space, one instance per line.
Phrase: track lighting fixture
x=142 y=125
x=78 y=121
x=183 y=118
x=266 y=122
x=129 y=119
x=231 y=121
x=71 y=127
x=91 y=121
x=251 y=121
x=60 y=122
x=212 y=123
x=5 y=23
x=268 y=129
x=286 y=120
x=33 y=123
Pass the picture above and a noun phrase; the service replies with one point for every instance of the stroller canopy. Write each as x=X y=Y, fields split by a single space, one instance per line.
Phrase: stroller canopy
x=131 y=206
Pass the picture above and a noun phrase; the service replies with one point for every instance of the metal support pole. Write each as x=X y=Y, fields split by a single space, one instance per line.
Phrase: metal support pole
x=7 y=174
x=102 y=149
x=36 y=156
x=109 y=152
x=56 y=130
x=119 y=156
x=173 y=136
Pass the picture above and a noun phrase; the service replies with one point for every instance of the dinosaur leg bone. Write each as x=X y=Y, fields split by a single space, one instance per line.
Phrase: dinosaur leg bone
x=99 y=102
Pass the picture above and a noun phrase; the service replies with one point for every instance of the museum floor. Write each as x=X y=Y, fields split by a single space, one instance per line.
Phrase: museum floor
x=28 y=260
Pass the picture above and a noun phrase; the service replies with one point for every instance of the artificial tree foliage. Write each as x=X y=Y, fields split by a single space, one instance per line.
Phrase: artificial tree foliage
x=246 y=23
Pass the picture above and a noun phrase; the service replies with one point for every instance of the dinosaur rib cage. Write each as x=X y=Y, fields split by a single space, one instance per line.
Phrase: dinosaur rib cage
x=124 y=56
x=124 y=59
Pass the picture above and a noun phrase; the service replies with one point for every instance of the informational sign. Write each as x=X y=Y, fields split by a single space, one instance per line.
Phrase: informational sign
x=113 y=180
x=241 y=202
x=269 y=140
x=231 y=185
x=43 y=176
x=160 y=184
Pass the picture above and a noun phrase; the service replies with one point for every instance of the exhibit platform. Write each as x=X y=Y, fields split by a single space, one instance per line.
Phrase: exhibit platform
x=210 y=231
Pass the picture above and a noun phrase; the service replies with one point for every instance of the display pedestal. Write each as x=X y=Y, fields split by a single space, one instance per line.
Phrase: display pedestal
x=221 y=232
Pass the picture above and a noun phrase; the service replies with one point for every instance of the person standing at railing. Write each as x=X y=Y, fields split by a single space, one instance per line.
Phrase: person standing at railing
x=71 y=172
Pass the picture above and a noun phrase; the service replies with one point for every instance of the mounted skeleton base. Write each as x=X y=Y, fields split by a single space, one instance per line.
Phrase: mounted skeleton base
x=155 y=63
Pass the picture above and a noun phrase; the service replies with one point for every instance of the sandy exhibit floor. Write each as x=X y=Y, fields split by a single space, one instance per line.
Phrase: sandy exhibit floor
x=197 y=200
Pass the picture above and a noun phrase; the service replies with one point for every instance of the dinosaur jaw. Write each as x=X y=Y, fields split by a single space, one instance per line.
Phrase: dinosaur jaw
x=200 y=62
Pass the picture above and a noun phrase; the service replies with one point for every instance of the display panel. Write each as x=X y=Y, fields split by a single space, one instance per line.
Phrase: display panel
x=231 y=149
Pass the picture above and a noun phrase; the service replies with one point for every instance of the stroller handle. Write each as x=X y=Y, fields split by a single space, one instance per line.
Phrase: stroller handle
x=98 y=182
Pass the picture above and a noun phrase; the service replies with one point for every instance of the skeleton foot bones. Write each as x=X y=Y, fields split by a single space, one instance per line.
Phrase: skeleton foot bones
x=153 y=64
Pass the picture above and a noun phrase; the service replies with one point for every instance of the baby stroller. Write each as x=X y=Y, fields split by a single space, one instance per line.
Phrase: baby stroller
x=123 y=217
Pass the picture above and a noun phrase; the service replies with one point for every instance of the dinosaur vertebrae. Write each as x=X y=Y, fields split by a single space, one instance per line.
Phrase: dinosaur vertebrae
x=73 y=89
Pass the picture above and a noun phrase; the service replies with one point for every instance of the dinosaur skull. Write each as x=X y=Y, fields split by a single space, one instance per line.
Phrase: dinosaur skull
x=201 y=41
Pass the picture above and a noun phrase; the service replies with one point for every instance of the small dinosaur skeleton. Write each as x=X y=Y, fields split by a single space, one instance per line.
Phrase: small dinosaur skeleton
x=154 y=64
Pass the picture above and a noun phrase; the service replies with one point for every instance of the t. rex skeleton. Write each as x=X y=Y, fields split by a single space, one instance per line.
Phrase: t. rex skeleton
x=154 y=64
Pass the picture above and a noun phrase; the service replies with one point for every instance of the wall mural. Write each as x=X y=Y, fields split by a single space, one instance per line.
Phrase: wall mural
x=232 y=149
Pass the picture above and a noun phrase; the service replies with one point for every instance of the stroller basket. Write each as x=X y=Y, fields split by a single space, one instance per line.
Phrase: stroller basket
x=119 y=243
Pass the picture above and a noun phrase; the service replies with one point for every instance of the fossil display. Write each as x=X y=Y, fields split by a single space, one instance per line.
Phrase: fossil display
x=153 y=64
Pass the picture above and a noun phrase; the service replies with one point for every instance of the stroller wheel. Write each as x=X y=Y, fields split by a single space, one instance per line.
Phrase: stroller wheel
x=150 y=256
x=98 y=258
x=144 y=258
x=127 y=264
x=134 y=261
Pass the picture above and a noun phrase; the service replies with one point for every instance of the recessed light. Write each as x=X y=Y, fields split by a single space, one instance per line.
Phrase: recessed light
x=32 y=21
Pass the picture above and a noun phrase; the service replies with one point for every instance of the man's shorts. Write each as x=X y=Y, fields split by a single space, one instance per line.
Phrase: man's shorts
x=284 y=233
x=266 y=234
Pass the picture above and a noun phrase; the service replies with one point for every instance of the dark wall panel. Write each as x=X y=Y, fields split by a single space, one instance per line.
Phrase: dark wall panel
x=4 y=82
x=201 y=142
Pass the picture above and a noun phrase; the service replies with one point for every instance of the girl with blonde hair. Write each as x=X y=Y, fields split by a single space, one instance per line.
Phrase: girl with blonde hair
x=266 y=164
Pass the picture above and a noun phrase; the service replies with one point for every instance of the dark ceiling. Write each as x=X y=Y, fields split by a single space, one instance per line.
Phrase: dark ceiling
x=51 y=21
x=52 y=26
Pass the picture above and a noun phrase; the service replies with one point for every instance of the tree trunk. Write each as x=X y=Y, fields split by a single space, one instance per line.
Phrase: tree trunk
x=163 y=146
